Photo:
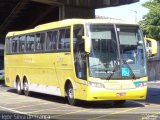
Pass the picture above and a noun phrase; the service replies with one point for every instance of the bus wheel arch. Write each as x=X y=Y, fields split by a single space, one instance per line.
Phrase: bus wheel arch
x=26 y=86
x=69 y=93
x=18 y=85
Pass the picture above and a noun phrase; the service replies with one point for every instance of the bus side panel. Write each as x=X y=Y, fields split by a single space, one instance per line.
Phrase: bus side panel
x=40 y=72
x=64 y=69
x=12 y=69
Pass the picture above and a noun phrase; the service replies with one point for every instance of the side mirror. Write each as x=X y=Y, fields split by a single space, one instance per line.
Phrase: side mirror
x=151 y=47
x=87 y=42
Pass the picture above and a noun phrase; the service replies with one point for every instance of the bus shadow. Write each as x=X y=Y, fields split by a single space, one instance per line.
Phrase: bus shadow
x=82 y=104
x=108 y=104
x=42 y=96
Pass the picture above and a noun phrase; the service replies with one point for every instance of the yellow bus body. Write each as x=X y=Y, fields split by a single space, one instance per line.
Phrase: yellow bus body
x=48 y=72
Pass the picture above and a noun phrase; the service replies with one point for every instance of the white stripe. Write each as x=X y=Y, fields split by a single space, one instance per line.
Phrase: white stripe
x=52 y=90
x=15 y=111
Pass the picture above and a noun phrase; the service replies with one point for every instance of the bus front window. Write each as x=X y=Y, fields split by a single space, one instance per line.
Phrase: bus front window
x=132 y=49
x=115 y=49
x=104 y=54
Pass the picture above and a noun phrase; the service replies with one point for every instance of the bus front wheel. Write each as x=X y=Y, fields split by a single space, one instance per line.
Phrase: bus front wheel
x=26 y=88
x=70 y=95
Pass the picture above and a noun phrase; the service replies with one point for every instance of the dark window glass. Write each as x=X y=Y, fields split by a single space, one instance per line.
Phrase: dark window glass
x=8 y=45
x=22 y=41
x=37 y=42
x=2 y=62
x=64 y=39
x=51 y=42
x=79 y=52
x=40 y=42
x=15 y=45
x=30 y=43
x=67 y=39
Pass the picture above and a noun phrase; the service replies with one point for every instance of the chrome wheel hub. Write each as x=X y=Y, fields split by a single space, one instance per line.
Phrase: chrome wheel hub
x=25 y=87
x=70 y=93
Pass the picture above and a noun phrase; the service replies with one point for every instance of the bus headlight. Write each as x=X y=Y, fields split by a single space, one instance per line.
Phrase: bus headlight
x=95 y=84
x=140 y=83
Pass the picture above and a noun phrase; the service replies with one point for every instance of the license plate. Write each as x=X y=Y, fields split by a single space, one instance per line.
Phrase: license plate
x=121 y=94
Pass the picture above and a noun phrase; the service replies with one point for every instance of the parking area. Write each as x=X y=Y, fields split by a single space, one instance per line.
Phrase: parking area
x=41 y=106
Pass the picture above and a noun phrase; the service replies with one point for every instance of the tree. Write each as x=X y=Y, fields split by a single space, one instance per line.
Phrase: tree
x=151 y=22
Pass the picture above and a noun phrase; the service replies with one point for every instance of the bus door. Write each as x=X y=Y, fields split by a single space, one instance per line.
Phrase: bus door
x=63 y=56
x=80 y=61
x=50 y=62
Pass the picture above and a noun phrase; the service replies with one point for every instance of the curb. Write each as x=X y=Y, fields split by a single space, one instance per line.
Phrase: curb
x=156 y=81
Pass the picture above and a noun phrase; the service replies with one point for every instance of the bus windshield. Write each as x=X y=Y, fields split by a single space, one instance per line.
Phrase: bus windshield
x=117 y=52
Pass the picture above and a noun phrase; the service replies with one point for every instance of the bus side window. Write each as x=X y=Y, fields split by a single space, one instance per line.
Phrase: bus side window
x=51 y=42
x=14 y=44
x=22 y=41
x=30 y=43
x=67 y=39
x=64 y=39
x=42 y=41
x=79 y=52
x=61 y=39
x=8 y=45
x=55 y=39
x=32 y=39
x=37 y=42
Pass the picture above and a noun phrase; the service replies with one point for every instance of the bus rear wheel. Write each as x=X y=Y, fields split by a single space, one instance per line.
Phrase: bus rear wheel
x=119 y=102
x=70 y=95
x=18 y=87
x=26 y=88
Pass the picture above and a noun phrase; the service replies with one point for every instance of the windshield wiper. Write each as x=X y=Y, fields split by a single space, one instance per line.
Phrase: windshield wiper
x=119 y=66
x=114 y=70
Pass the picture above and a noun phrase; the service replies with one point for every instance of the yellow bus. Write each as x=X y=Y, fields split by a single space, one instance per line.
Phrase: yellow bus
x=81 y=59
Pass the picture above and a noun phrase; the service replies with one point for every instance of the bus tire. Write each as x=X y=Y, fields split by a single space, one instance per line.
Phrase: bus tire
x=119 y=102
x=18 y=87
x=26 y=87
x=70 y=95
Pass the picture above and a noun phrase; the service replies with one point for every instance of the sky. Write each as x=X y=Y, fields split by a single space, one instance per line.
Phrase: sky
x=130 y=12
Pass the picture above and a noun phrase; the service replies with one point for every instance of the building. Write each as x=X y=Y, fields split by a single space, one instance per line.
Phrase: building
x=25 y=14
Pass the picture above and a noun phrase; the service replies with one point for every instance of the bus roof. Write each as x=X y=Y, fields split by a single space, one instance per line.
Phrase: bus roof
x=69 y=22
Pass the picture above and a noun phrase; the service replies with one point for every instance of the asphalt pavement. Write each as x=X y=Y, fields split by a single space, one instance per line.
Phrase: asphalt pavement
x=47 y=107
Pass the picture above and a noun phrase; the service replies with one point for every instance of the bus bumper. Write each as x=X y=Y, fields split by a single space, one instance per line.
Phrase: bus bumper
x=97 y=94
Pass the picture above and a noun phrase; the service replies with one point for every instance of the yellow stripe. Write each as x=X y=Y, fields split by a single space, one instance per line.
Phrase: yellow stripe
x=13 y=98
x=113 y=113
x=11 y=102
x=71 y=113
x=25 y=106
x=45 y=109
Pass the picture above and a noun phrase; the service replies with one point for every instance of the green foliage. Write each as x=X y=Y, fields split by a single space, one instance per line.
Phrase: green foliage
x=151 y=22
